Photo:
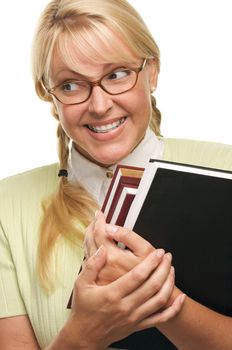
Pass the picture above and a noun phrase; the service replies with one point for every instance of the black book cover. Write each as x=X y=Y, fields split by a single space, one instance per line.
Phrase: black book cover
x=189 y=215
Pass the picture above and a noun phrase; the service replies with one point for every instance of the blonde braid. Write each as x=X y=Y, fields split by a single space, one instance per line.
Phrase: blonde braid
x=156 y=117
x=69 y=205
x=63 y=147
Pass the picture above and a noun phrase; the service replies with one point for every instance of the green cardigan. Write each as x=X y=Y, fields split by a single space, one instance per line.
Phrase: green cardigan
x=20 y=213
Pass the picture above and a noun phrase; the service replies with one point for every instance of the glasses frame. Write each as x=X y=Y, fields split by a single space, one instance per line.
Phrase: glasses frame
x=97 y=83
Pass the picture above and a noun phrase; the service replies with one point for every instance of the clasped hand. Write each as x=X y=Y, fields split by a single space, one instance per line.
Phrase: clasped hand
x=121 y=290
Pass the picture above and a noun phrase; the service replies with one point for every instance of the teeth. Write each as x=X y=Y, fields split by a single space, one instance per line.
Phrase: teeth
x=106 y=128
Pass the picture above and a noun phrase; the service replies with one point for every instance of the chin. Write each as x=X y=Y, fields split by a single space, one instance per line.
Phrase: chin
x=108 y=155
x=108 y=161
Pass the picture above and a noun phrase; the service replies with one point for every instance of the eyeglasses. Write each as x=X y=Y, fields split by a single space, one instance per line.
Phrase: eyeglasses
x=118 y=81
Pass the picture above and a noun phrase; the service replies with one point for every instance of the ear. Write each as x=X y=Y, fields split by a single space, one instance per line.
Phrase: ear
x=153 y=74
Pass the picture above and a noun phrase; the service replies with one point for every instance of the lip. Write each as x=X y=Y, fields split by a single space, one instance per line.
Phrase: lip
x=104 y=122
x=105 y=128
x=106 y=135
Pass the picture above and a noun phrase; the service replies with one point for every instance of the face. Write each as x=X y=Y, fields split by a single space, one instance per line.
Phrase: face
x=105 y=128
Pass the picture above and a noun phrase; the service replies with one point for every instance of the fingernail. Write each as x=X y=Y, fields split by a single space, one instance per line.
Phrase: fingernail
x=99 y=251
x=168 y=256
x=111 y=228
x=159 y=252
x=182 y=298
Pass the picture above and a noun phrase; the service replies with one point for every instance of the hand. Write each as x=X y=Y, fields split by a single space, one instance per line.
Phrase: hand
x=103 y=314
x=119 y=261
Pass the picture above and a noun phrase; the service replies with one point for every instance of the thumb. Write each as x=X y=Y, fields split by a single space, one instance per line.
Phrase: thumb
x=93 y=266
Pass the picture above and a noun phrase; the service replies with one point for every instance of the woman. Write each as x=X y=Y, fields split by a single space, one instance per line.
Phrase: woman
x=97 y=64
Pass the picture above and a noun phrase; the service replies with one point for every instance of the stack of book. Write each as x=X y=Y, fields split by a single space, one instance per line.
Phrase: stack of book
x=186 y=210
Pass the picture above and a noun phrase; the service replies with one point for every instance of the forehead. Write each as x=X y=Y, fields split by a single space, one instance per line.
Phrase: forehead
x=80 y=53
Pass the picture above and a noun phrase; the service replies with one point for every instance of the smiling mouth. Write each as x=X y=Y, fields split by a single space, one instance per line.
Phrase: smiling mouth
x=106 y=128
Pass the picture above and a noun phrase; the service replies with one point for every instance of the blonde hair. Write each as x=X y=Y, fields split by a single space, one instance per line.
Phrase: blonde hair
x=84 y=23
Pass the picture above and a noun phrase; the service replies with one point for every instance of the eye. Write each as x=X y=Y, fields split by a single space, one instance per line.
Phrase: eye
x=119 y=74
x=70 y=86
x=73 y=87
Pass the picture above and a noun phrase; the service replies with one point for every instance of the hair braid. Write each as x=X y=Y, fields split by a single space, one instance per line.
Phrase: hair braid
x=60 y=213
x=156 y=117
x=63 y=147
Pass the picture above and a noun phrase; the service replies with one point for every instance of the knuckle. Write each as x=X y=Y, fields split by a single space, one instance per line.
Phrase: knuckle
x=148 y=249
x=161 y=300
x=111 y=298
x=88 y=265
x=124 y=311
x=132 y=319
x=156 y=285
x=138 y=275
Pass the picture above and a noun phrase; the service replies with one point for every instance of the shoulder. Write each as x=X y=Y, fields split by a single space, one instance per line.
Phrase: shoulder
x=38 y=182
x=202 y=153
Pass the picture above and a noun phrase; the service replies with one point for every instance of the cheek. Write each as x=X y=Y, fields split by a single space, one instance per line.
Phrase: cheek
x=68 y=115
x=68 y=120
x=142 y=106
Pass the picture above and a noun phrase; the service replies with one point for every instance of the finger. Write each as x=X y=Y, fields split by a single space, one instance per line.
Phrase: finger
x=92 y=267
x=89 y=246
x=138 y=245
x=156 y=285
x=99 y=218
x=158 y=301
x=163 y=316
x=130 y=281
x=100 y=235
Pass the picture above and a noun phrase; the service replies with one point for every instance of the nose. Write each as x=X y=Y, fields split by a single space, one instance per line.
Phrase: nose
x=100 y=102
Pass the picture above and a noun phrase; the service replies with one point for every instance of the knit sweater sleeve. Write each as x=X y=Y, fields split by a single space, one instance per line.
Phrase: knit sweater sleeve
x=11 y=302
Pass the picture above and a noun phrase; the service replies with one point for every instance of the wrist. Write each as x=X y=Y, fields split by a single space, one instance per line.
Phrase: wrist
x=71 y=337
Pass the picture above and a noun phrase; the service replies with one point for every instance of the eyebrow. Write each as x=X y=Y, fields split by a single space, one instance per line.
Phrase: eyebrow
x=66 y=71
x=111 y=66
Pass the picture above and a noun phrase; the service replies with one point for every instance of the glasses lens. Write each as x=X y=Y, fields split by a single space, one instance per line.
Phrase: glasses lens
x=119 y=81
x=72 y=92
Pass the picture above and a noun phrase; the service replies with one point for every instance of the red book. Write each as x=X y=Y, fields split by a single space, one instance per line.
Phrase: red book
x=121 y=193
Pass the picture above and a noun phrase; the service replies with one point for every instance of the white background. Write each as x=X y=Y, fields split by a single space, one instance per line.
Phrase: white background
x=194 y=92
